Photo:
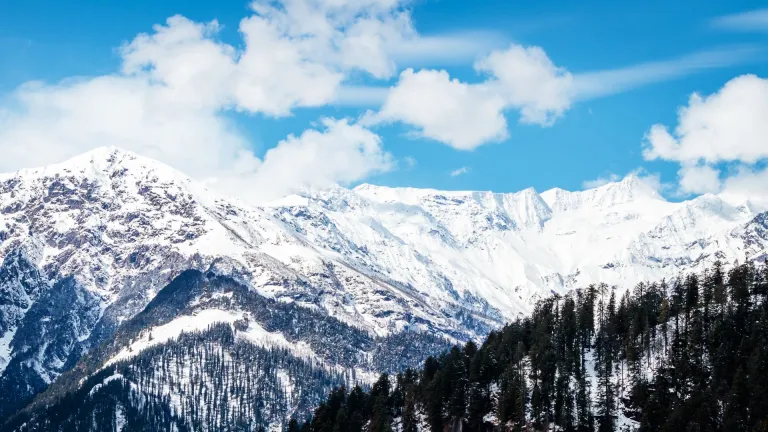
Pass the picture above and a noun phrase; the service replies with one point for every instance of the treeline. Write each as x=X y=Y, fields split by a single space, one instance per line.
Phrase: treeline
x=689 y=355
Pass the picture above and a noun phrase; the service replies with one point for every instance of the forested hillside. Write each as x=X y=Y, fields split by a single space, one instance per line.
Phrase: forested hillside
x=228 y=372
x=202 y=381
x=686 y=355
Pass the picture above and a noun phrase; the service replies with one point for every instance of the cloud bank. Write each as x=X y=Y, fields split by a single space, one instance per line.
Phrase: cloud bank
x=518 y=79
x=178 y=86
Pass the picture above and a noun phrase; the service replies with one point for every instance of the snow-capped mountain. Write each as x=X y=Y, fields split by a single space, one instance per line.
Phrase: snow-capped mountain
x=87 y=244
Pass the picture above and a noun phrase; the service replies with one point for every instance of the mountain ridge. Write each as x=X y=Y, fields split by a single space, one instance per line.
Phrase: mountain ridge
x=453 y=264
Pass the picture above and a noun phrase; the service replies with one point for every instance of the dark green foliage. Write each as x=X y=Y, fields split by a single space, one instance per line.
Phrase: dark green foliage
x=688 y=356
x=692 y=356
x=218 y=384
x=335 y=342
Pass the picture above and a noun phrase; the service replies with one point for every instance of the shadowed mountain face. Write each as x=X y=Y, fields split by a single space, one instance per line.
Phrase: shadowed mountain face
x=89 y=244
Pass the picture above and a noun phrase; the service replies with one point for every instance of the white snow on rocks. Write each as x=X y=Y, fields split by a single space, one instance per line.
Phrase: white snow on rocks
x=383 y=259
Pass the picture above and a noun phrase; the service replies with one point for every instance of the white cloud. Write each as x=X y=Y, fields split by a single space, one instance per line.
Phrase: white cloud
x=596 y=84
x=726 y=127
x=756 y=20
x=748 y=184
x=410 y=162
x=368 y=35
x=465 y=115
x=600 y=181
x=43 y=124
x=340 y=153
x=182 y=55
x=276 y=76
x=270 y=75
x=521 y=79
x=60 y=122
x=167 y=101
x=698 y=179
x=460 y=171
x=461 y=115
x=171 y=96
x=170 y=100
x=346 y=34
x=530 y=82
x=177 y=85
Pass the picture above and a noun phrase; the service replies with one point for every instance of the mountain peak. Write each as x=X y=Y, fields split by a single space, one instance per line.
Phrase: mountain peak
x=107 y=152
x=629 y=189
x=109 y=158
x=102 y=164
x=530 y=192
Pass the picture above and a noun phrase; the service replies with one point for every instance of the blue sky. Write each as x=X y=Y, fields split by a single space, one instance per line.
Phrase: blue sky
x=594 y=137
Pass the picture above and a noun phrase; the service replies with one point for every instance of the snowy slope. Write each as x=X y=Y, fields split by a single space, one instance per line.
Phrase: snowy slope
x=380 y=259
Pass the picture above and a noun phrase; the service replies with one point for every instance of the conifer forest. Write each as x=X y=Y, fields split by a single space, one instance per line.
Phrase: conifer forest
x=684 y=355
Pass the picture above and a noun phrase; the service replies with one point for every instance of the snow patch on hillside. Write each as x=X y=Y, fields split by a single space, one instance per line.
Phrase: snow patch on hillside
x=164 y=333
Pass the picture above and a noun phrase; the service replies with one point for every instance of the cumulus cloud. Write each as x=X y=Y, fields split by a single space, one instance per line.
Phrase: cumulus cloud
x=726 y=127
x=59 y=122
x=171 y=97
x=461 y=115
x=518 y=79
x=368 y=35
x=459 y=171
x=180 y=55
x=748 y=184
x=270 y=75
x=530 y=82
x=600 y=181
x=177 y=85
x=467 y=115
x=296 y=53
x=347 y=34
x=339 y=152
x=43 y=124
x=698 y=179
